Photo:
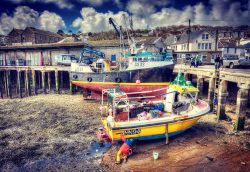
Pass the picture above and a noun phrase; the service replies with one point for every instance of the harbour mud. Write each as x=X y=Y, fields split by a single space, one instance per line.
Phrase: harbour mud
x=55 y=133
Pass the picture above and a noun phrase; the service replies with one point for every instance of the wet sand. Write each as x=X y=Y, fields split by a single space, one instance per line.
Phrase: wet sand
x=53 y=133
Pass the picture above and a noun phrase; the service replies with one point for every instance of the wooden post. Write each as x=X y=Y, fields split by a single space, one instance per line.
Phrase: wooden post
x=61 y=79
x=19 y=84
x=1 y=84
x=6 y=84
x=39 y=79
x=166 y=133
x=241 y=106
x=49 y=81
x=9 y=84
x=200 y=82
x=70 y=85
x=222 y=99
x=56 y=81
x=43 y=82
x=27 y=81
x=211 y=93
x=34 y=81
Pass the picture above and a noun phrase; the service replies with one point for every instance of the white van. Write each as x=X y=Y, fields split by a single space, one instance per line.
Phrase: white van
x=66 y=59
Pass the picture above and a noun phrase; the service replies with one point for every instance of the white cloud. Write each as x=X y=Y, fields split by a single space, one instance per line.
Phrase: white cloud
x=60 y=3
x=224 y=12
x=50 y=21
x=94 y=2
x=24 y=16
x=92 y=21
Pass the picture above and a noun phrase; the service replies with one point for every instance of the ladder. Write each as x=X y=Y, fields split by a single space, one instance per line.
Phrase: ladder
x=216 y=89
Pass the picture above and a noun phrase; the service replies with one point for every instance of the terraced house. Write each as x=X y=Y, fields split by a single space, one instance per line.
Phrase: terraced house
x=199 y=42
x=32 y=35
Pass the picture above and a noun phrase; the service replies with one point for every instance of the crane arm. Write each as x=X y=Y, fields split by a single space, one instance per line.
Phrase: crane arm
x=112 y=22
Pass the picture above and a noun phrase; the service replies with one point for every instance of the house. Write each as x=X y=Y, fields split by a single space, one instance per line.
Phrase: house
x=32 y=35
x=37 y=36
x=232 y=48
x=200 y=42
x=15 y=36
x=3 y=40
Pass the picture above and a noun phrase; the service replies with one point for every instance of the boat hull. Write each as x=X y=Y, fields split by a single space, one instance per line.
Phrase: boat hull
x=156 y=74
x=152 y=131
x=150 y=79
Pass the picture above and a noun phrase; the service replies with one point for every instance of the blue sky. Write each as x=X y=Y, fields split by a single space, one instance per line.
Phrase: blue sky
x=92 y=15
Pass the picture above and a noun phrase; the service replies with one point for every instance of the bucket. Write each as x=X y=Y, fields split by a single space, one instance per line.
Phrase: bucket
x=155 y=155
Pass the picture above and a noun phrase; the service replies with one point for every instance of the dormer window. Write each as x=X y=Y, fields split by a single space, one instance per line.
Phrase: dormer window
x=175 y=39
x=205 y=36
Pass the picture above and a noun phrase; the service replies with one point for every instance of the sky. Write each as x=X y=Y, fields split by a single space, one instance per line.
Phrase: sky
x=92 y=15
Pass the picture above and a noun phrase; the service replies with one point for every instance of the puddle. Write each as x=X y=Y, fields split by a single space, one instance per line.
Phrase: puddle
x=89 y=157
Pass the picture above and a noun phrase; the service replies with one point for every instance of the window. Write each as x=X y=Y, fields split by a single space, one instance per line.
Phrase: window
x=199 y=45
x=210 y=46
x=206 y=45
x=203 y=36
x=235 y=49
x=227 y=50
x=202 y=46
x=206 y=36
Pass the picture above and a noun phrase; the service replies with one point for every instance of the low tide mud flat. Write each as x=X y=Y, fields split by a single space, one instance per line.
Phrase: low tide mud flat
x=54 y=133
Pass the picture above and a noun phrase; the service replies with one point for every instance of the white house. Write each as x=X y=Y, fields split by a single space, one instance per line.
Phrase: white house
x=200 y=42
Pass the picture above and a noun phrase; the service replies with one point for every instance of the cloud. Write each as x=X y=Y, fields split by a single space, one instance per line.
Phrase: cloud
x=60 y=3
x=24 y=16
x=224 y=12
x=92 y=21
x=94 y=2
x=50 y=21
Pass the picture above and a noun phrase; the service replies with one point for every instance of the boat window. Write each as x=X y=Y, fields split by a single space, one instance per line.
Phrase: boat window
x=139 y=59
x=145 y=59
x=152 y=59
x=135 y=59
x=99 y=65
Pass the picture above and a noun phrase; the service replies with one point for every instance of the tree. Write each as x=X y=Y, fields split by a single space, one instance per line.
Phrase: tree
x=60 y=32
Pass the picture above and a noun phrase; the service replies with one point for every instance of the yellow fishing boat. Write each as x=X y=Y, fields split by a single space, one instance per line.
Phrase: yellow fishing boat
x=136 y=116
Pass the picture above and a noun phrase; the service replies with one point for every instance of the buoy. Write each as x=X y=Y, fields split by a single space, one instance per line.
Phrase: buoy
x=138 y=81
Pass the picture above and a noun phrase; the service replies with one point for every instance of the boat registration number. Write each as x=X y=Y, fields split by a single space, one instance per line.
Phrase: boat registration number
x=132 y=131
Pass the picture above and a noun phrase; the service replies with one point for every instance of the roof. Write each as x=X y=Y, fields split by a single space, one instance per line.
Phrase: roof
x=44 y=32
x=44 y=46
x=18 y=31
x=183 y=38
x=116 y=42
x=227 y=44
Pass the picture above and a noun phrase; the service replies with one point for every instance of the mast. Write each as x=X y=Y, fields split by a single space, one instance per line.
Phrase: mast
x=189 y=30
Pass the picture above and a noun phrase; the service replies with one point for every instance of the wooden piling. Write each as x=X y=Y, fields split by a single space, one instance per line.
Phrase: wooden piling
x=27 y=81
x=61 y=79
x=43 y=82
x=9 y=83
x=19 y=83
x=34 y=81
x=241 y=106
x=70 y=85
x=56 y=81
x=1 y=85
x=5 y=83
x=49 y=81
x=222 y=99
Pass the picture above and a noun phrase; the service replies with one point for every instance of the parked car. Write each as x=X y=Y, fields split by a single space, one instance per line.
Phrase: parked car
x=66 y=59
x=245 y=62
x=231 y=61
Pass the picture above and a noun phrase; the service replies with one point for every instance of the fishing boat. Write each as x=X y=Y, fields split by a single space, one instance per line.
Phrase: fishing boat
x=143 y=119
x=136 y=68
